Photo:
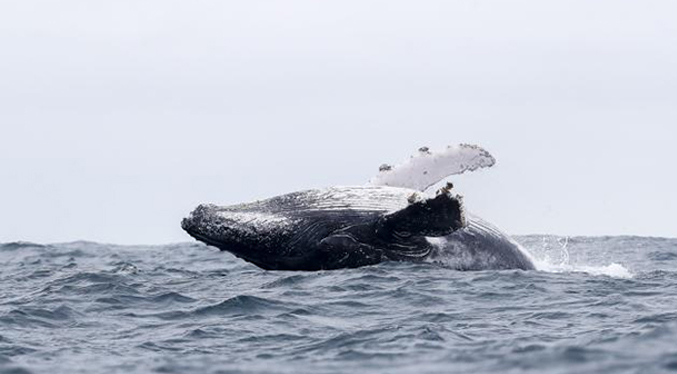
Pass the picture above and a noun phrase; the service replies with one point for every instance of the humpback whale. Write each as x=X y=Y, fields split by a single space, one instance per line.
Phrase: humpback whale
x=391 y=219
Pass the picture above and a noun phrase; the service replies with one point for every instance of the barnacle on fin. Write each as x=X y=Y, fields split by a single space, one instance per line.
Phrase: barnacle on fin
x=385 y=167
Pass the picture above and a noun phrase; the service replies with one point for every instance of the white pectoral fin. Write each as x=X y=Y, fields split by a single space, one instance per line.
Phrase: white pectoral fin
x=429 y=167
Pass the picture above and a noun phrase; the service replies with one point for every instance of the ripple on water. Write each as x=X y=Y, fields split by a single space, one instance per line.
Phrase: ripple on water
x=87 y=307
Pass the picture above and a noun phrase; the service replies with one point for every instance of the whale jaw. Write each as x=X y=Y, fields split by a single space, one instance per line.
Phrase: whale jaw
x=252 y=237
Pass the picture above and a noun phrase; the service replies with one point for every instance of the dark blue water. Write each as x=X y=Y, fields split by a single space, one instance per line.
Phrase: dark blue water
x=606 y=305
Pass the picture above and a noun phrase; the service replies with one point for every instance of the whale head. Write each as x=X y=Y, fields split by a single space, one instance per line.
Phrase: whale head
x=252 y=236
x=328 y=229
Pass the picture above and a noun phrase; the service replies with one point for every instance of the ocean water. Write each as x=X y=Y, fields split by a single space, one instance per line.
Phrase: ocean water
x=604 y=305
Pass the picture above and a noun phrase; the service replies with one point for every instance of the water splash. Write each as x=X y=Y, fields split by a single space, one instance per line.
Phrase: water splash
x=553 y=256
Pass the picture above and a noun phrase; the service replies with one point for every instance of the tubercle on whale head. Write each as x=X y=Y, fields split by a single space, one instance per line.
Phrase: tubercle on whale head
x=252 y=235
x=197 y=224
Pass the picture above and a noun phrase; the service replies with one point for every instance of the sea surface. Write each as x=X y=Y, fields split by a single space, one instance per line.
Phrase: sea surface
x=602 y=305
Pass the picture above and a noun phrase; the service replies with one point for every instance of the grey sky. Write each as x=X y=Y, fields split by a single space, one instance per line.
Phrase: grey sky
x=117 y=118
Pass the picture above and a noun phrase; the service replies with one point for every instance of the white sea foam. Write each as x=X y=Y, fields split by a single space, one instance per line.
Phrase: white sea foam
x=429 y=167
x=614 y=270
x=556 y=259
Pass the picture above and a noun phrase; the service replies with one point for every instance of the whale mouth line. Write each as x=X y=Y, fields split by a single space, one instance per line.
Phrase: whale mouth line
x=205 y=239
x=222 y=247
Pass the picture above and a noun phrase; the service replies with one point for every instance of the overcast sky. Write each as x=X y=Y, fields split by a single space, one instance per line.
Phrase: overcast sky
x=118 y=117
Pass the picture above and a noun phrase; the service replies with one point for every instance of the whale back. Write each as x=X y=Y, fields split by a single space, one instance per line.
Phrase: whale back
x=479 y=246
x=325 y=210
x=369 y=199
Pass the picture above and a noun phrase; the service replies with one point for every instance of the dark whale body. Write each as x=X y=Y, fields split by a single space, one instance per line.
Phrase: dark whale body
x=348 y=227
